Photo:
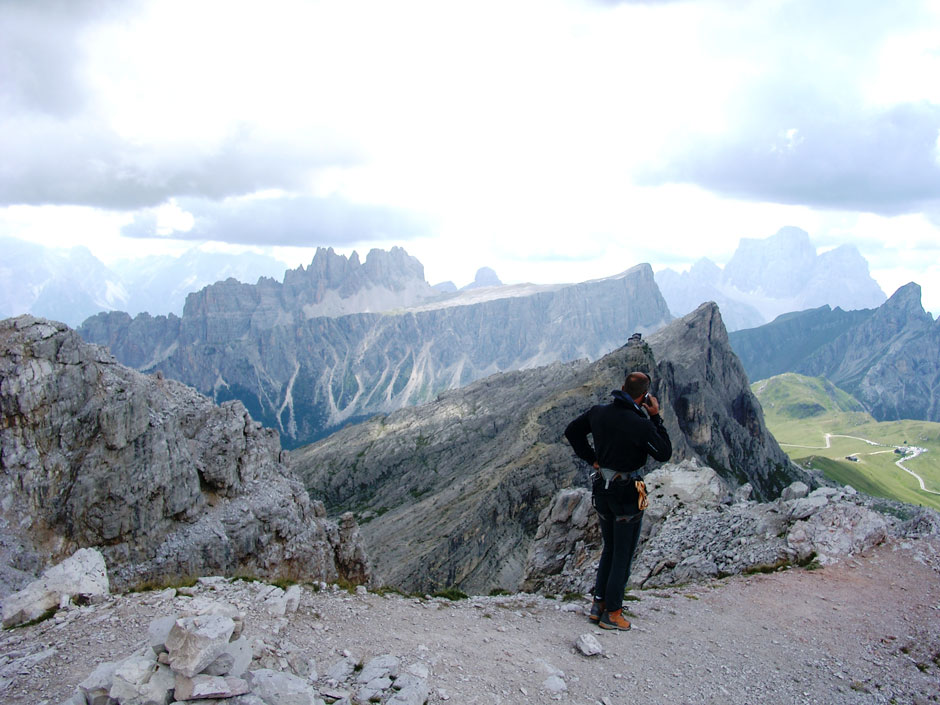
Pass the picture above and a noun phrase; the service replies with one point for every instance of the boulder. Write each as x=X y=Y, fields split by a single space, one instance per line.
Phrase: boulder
x=276 y=688
x=796 y=490
x=204 y=686
x=195 y=642
x=83 y=574
x=837 y=531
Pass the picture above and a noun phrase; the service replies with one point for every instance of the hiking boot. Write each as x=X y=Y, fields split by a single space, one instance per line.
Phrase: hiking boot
x=597 y=609
x=614 y=620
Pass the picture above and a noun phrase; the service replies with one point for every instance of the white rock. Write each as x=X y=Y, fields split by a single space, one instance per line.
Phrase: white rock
x=292 y=597
x=233 y=661
x=97 y=686
x=140 y=680
x=797 y=490
x=281 y=688
x=418 y=669
x=379 y=667
x=195 y=642
x=202 y=687
x=743 y=493
x=159 y=630
x=589 y=645
x=838 y=530
x=84 y=573
x=276 y=602
x=555 y=684
x=341 y=670
x=807 y=506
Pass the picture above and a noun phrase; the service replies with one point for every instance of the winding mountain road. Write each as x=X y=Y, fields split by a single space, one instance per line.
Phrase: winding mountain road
x=914 y=451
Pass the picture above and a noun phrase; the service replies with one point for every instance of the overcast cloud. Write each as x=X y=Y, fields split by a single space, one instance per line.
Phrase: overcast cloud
x=301 y=221
x=549 y=139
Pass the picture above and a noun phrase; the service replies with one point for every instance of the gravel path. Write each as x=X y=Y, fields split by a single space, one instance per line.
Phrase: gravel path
x=866 y=630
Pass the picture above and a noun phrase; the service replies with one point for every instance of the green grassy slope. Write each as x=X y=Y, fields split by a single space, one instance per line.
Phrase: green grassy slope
x=801 y=411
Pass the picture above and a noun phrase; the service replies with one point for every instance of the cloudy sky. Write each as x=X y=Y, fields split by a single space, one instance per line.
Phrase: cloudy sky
x=552 y=140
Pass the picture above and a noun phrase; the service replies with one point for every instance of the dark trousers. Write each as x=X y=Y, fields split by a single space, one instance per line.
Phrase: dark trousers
x=620 y=523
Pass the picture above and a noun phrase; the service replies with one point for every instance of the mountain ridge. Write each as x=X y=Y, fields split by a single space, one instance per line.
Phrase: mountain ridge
x=888 y=358
x=307 y=375
x=449 y=492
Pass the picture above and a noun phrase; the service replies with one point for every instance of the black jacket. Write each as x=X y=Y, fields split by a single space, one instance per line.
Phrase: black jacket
x=623 y=435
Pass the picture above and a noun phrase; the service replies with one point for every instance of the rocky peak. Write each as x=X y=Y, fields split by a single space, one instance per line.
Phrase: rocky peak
x=906 y=301
x=778 y=265
x=705 y=271
x=709 y=408
x=161 y=480
x=484 y=277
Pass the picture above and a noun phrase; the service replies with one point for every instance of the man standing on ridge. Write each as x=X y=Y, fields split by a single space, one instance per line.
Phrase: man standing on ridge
x=625 y=432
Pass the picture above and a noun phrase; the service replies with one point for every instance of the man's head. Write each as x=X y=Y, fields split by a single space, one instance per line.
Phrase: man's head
x=636 y=385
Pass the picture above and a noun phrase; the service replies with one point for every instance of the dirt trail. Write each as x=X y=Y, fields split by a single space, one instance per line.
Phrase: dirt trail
x=866 y=630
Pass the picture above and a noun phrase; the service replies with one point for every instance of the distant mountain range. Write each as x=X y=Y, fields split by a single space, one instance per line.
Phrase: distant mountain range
x=769 y=277
x=888 y=357
x=69 y=285
x=302 y=361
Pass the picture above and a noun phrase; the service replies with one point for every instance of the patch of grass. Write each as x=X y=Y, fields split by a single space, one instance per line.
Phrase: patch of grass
x=572 y=597
x=388 y=590
x=347 y=585
x=451 y=593
x=630 y=598
x=803 y=437
x=922 y=666
x=690 y=596
x=496 y=592
x=154 y=585
x=779 y=564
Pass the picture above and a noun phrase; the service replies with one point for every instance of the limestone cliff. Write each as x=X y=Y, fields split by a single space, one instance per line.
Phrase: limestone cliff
x=165 y=483
x=303 y=372
x=450 y=492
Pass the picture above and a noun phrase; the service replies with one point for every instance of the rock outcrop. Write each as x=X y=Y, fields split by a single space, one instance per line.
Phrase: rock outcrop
x=887 y=358
x=449 y=493
x=695 y=530
x=83 y=575
x=299 y=366
x=162 y=481
x=710 y=411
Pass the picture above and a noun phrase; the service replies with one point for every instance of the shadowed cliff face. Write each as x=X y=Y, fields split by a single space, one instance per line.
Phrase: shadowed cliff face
x=305 y=374
x=164 y=482
x=450 y=492
x=709 y=409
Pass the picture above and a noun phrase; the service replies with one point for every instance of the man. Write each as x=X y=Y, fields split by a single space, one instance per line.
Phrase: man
x=625 y=432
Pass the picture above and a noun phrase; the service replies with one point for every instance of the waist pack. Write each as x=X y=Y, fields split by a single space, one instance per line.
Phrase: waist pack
x=622 y=497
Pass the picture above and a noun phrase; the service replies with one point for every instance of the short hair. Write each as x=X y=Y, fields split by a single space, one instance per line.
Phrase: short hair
x=637 y=384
